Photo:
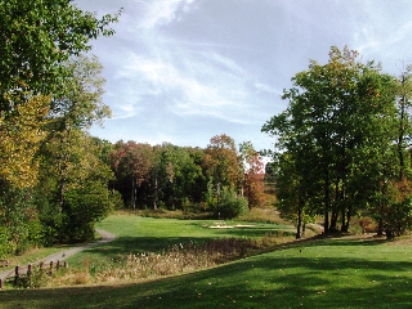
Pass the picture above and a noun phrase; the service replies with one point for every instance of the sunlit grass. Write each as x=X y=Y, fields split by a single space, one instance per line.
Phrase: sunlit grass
x=135 y=235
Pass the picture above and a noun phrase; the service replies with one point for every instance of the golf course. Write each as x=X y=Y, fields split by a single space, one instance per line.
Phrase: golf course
x=354 y=271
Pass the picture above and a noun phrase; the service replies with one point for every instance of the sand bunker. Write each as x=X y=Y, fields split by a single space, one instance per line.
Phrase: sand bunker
x=237 y=226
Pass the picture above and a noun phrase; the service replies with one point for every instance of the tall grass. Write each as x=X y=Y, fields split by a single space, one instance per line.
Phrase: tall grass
x=179 y=258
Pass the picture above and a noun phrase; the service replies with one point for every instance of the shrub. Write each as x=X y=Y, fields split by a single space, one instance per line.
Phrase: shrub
x=230 y=205
x=368 y=225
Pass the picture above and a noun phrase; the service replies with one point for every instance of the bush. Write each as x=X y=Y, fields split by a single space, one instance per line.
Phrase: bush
x=368 y=225
x=230 y=205
x=116 y=200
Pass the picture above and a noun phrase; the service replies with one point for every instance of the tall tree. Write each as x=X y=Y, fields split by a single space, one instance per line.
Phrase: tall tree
x=74 y=196
x=334 y=111
x=36 y=36
x=396 y=211
x=253 y=168
x=21 y=137
x=132 y=163
x=222 y=163
x=79 y=105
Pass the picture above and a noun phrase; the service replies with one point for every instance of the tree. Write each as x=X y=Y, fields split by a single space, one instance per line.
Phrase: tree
x=176 y=176
x=78 y=106
x=132 y=163
x=63 y=154
x=78 y=101
x=21 y=136
x=334 y=111
x=69 y=209
x=395 y=209
x=36 y=37
x=293 y=191
x=42 y=73
x=253 y=175
x=221 y=161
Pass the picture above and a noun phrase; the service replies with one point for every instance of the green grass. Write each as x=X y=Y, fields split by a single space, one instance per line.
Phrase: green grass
x=136 y=234
x=324 y=273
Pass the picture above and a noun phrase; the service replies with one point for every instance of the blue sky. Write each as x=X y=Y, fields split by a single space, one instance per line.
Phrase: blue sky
x=182 y=71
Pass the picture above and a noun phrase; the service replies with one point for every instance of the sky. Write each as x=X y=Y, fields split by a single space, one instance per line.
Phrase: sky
x=183 y=71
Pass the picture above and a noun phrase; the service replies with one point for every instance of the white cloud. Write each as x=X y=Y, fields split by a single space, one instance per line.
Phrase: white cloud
x=162 y=12
x=371 y=40
x=266 y=88
x=175 y=63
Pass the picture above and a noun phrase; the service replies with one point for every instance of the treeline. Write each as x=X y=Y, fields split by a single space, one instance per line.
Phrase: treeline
x=166 y=176
x=343 y=145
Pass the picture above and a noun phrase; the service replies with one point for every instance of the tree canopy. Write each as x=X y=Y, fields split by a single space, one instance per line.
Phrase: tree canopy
x=327 y=137
x=36 y=37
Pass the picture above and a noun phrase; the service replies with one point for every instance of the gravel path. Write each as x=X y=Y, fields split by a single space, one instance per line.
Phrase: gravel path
x=62 y=255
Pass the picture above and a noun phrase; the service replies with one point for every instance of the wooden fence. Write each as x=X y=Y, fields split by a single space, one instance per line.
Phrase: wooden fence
x=25 y=272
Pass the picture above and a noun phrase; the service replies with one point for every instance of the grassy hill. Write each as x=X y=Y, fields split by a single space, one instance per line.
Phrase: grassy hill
x=347 y=272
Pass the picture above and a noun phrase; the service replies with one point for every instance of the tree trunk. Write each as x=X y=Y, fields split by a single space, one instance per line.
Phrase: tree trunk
x=326 y=215
x=61 y=193
x=299 y=221
x=380 y=226
x=134 y=194
x=155 y=198
x=335 y=209
x=401 y=135
x=345 y=228
x=333 y=220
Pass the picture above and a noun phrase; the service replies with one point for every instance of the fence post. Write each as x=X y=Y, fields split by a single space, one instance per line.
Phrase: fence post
x=16 y=275
x=28 y=271
x=1 y=284
x=51 y=268
x=58 y=265
x=65 y=265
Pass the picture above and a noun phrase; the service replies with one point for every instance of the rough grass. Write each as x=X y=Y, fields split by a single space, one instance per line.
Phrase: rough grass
x=177 y=259
x=321 y=273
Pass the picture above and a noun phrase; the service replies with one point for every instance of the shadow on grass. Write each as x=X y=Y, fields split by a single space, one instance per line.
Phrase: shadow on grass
x=133 y=245
x=266 y=281
x=256 y=233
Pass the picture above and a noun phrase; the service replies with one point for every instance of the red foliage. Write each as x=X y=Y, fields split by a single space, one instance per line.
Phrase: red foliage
x=253 y=181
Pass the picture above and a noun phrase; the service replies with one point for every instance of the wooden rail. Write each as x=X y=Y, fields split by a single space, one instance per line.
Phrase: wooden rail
x=21 y=273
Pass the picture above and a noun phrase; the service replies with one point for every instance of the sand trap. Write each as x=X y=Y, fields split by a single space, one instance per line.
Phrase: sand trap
x=237 y=226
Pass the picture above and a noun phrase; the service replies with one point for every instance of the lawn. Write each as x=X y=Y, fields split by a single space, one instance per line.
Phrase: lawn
x=136 y=234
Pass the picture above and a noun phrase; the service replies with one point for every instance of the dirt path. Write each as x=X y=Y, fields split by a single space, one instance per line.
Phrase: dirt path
x=62 y=255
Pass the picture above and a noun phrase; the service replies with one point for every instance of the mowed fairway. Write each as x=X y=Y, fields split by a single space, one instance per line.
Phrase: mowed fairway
x=320 y=273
